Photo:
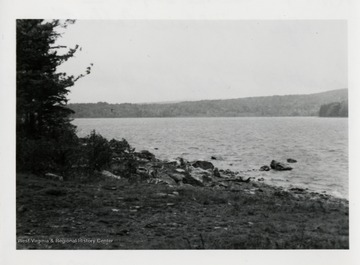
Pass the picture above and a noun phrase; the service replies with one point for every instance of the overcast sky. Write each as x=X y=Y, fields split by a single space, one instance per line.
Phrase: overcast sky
x=140 y=61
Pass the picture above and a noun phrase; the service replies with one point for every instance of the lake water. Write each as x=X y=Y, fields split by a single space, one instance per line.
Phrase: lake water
x=320 y=145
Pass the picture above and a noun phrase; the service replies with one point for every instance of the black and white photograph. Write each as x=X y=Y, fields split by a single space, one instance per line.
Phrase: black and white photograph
x=181 y=135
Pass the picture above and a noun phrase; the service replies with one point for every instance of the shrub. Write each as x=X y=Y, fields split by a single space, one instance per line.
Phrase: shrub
x=42 y=154
x=97 y=151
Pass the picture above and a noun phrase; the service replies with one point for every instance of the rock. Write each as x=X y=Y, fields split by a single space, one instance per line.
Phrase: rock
x=194 y=180
x=177 y=176
x=216 y=173
x=261 y=179
x=242 y=180
x=279 y=166
x=300 y=190
x=160 y=194
x=166 y=179
x=178 y=162
x=182 y=161
x=201 y=174
x=213 y=157
x=229 y=172
x=108 y=174
x=264 y=168
x=290 y=160
x=54 y=177
x=145 y=154
x=174 y=163
x=142 y=170
x=203 y=165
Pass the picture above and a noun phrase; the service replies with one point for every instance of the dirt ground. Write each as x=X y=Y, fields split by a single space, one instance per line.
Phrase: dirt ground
x=122 y=214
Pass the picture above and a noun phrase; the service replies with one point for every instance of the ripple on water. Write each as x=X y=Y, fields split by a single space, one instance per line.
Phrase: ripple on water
x=319 y=145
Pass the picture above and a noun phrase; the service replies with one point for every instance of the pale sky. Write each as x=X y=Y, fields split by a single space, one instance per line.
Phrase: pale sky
x=139 y=61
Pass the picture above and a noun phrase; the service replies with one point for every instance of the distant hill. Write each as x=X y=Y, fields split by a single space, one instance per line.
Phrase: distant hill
x=334 y=109
x=289 y=105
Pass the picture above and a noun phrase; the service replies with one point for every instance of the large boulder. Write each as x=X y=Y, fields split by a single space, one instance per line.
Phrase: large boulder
x=203 y=165
x=279 y=166
x=201 y=174
x=194 y=177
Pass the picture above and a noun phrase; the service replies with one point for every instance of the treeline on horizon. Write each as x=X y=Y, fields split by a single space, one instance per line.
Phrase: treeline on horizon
x=334 y=109
x=288 y=105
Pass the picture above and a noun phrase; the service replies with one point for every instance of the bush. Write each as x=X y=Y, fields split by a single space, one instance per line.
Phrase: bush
x=97 y=151
x=66 y=154
x=35 y=155
x=44 y=154
x=120 y=147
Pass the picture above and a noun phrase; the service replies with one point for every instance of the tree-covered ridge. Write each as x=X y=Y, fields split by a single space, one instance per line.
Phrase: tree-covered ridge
x=334 y=109
x=289 y=105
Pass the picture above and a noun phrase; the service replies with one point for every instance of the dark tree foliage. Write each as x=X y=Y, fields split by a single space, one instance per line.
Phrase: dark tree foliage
x=334 y=109
x=41 y=91
x=45 y=135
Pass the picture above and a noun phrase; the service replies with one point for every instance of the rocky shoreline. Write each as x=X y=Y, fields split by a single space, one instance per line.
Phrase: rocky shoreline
x=145 y=203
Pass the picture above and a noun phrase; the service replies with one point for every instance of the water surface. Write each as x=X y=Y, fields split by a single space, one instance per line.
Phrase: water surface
x=320 y=145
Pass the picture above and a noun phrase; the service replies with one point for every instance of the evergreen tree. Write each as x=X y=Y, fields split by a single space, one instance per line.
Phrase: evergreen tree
x=45 y=137
x=41 y=91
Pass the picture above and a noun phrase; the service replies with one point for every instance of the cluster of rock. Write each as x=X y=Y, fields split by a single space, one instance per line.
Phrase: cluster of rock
x=276 y=165
x=126 y=163
x=174 y=172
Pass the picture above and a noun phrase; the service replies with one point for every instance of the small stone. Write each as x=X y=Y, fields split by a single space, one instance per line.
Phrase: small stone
x=54 y=177
x=264 y=168
x=161 y=194
x=108 y=174
x=290 y=160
